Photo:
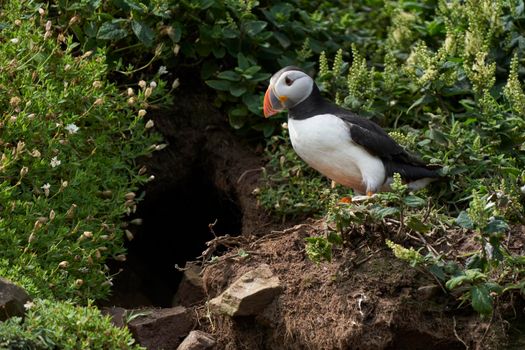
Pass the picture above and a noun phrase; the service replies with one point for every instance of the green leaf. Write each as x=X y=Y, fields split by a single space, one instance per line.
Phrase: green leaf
x=414 y=201
x=243 y=62
x=416 y=224
x=221 y=85
x=229 y=75
x=208 y=69
x=435 y=27
x=230 y=33
x=481 y=299
x=252 y=70
x=237 y=117
x=219 y=52
x=90 y=29
x=455 y=281
x=464 y=220
x=282 y=39
x=438 y=272
x=496 y=226
x=237 y=90
x=335 y=238
x=382 y=213
x=268 y=130
x=423 y=100
x=128 y=5
x=111 y=31
x=203 y=4
x=253 y=102
x=144 y=33
x=254 y=27
x=318 y=249
x=260 y=77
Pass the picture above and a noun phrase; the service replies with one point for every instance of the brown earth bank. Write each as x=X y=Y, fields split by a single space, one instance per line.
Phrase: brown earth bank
x=364 y=298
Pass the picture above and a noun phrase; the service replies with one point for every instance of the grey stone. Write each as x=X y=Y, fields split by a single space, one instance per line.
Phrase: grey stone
x=162 y=328
x=197 y=340
x=117 y=314
x=191 y=287
x=12 y=300
x=428 y=292
x=249 y=295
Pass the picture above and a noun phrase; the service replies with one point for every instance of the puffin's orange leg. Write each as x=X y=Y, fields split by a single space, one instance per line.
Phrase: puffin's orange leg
x=346 y=200
x=370 y=193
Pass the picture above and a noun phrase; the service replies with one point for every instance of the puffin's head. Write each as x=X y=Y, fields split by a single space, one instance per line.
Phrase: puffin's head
x=288 y=87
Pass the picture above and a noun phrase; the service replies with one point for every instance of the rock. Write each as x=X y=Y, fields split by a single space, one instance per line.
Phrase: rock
x=197 y=340
x=117 y=315
x=249 y=295
x=428 y=292
x=191 y=287
x=12 y=300
x=162 y=328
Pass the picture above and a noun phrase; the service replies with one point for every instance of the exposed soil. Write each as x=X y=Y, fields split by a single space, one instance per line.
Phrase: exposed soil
x=364 y=299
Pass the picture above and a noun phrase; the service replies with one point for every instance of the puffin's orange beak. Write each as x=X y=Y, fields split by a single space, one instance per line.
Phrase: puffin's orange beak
x=272 y=104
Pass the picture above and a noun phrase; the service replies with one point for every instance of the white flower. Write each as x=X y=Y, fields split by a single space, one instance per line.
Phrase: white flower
x=28 y=305
x=162 y=70
x=72 y=128
x=14 y=40
x=46 y=188
x=153 y=85
x=55 y=162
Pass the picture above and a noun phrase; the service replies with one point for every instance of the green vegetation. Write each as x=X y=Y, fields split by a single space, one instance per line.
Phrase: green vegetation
x=233 y=45
x=62 y=325
x=444 y=76
x=68 y=141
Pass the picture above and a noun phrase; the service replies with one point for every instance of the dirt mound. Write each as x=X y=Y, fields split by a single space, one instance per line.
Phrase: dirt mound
x=364 y=299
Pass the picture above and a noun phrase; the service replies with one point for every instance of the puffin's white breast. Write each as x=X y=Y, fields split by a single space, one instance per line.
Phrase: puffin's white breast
x=325 y=143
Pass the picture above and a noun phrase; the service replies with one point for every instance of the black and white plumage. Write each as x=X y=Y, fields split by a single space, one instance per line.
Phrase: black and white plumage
x=348 y=149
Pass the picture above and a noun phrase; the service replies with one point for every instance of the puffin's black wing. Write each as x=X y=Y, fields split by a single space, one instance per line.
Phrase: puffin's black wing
x=371 y=136
x=396 y=159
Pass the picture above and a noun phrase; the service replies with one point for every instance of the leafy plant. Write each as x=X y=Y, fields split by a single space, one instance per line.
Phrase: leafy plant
x=319 y=249
x=62 y=325
x=69 y=141
x=232 y=45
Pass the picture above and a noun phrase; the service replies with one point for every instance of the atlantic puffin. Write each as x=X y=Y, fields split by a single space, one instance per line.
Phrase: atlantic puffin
x=348 y=149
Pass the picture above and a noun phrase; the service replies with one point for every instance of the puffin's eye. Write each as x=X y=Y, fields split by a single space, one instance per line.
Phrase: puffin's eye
x=288 y=81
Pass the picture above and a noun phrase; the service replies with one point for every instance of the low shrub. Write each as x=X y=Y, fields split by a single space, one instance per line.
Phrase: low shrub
x=62 y=325
x=233 y=45
x=68 y=144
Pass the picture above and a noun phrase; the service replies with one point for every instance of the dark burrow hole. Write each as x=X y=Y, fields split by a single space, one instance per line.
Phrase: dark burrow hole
x=174 y=230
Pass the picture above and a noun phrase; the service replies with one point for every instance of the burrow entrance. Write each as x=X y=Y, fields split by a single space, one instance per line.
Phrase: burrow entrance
x=193 y=189
x=174 y=230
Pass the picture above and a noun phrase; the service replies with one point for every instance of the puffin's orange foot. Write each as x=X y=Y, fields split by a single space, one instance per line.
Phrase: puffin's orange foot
x=370 y=193
x=346 y=200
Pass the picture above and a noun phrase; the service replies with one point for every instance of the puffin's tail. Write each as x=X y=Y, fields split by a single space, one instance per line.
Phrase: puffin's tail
x=411 y=172
x=416 y=176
